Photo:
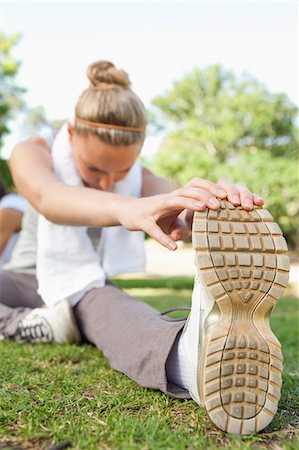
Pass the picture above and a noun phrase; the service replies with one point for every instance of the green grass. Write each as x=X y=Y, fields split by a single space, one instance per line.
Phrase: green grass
x=53 y=393
x=176 y=283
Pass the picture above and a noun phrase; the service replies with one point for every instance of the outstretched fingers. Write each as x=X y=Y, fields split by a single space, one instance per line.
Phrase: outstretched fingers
x=208 y=186
x=153 y=230
x=240 y=195
x=198 y=196
x=257 y=200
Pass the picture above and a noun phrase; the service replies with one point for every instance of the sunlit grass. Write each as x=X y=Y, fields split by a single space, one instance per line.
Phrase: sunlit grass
x=53 y=393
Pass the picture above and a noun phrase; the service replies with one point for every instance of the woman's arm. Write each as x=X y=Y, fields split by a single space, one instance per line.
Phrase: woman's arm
x=10 y=222
x=32 y=170
x=157 y=214
x=152 y=184
x=31 y=167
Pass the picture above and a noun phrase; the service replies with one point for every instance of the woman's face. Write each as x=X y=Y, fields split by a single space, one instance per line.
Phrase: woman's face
x=101 y=165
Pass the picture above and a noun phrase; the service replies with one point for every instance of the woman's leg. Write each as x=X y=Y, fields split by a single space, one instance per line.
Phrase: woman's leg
x=19 y=289
x=131 y=334
x=18 y=295
x=24 y=318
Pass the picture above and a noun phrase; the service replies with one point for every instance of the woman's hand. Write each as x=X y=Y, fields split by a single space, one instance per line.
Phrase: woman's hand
x=240 y=195
x=235 y=193
x=163 y=217
x=158 y=215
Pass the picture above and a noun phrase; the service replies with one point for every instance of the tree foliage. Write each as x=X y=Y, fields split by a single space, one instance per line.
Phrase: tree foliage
x=225 y=114
x=10 y=93
x=36 y=122
x=221 y=126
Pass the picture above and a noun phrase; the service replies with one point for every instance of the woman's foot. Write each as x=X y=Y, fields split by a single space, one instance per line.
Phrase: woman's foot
x=235 y=359
x=56 y=324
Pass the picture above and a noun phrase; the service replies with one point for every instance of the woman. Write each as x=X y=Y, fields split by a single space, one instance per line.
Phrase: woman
x=92 y=181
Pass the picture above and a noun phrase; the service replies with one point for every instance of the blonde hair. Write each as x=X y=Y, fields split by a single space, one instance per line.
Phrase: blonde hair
x=110 y=100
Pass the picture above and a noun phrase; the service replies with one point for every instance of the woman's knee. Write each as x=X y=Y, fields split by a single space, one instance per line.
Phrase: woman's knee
x=18 y=289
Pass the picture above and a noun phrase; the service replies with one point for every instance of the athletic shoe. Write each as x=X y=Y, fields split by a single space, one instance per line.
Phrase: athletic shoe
x=243 y=267
x=56 y=324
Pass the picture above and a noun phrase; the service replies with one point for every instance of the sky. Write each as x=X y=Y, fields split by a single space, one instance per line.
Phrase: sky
x=155 y=42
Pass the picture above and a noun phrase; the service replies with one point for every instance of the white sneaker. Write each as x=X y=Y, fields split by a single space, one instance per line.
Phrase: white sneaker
x=191 y=338
x=56 y=324
x=235 y=359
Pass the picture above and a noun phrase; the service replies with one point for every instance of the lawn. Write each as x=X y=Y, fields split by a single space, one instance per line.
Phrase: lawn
x=50 y=394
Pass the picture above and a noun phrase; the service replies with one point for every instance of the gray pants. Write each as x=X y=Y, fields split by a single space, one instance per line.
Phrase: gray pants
x=130 y=333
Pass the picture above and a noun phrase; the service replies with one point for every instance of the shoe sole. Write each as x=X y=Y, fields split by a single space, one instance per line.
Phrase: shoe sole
x=241 y=256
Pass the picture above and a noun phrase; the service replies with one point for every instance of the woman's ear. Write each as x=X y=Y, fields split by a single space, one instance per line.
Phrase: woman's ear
x=70 y=130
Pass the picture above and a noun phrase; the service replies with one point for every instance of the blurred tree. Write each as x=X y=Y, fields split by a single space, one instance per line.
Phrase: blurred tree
x=10 y=94
x=225 y=114
x=5 y=174
x=36 y=122
x=218 y=126
x=275 y=178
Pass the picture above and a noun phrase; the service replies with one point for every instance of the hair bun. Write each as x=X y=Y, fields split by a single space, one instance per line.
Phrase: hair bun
x=104 y=72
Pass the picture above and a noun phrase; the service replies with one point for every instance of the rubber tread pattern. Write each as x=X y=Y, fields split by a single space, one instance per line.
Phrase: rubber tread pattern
x=241 y=256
